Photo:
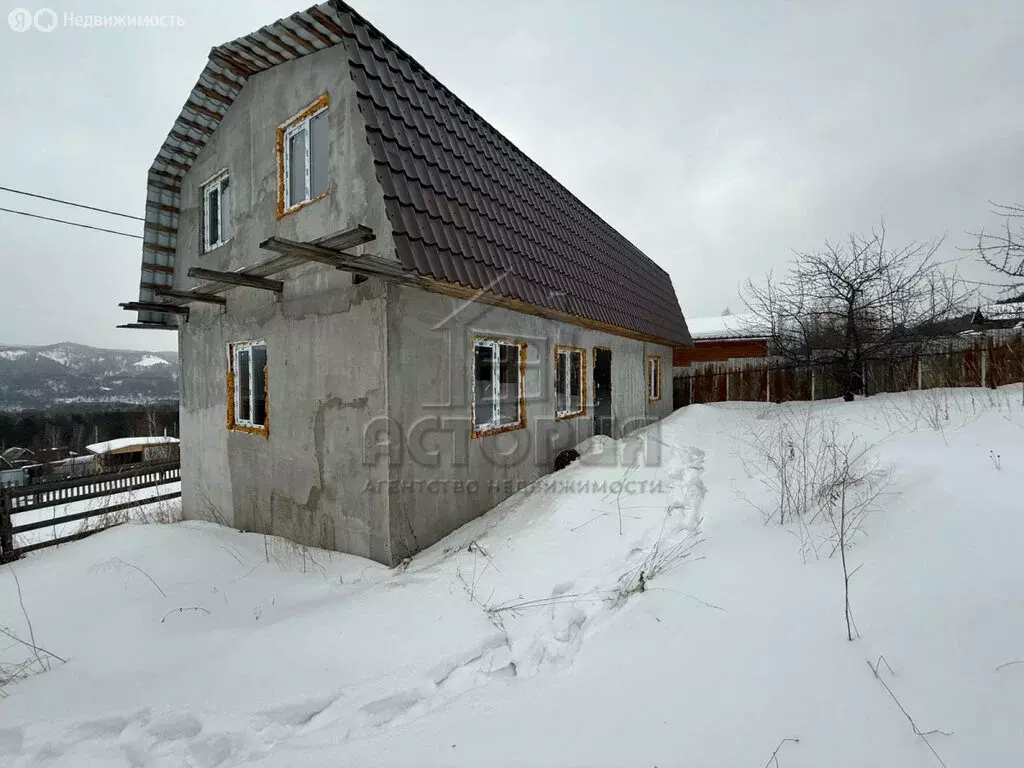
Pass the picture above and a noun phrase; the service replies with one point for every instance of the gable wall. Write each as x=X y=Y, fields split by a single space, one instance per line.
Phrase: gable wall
x=325 y=337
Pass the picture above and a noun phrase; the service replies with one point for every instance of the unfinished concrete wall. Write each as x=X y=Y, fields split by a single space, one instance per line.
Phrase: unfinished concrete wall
x=347 y=361
x=430 y=374
x=326 y=340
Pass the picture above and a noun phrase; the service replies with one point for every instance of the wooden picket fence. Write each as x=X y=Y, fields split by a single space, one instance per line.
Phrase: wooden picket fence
x=966 y=363
x=17 y=500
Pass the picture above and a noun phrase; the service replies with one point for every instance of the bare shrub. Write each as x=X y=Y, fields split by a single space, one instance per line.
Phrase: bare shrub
x=288 y=554
x=142 y=510
x=939 y=409
x=123 y=567
x=208 y=510
x=668 y=552
x=820 y=481
x=812 y=473
x=852 y=494
x=996 y=459
x=773 y=761
x=876 y=671
x=38 y=659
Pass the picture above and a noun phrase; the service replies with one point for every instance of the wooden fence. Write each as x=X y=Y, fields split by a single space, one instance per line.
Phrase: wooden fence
x=26 y=498
x=985 y=362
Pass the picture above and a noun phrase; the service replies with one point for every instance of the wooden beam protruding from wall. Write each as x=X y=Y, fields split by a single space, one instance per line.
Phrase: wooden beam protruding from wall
x=153 y=306
x=207 y=298
x=369 y=265
x=237 y=278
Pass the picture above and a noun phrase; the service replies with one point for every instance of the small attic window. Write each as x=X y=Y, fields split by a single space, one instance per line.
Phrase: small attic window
x=216 y=212
x=302 y=145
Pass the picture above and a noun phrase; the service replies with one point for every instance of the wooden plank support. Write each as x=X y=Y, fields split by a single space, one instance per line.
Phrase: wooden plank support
x=208 y=298
x=349 y=238
x=307 y=251
x=369 y=265
x=153 y=306
x=237 y=278
x=290 y=249
x=282 y=263
x=149 y=326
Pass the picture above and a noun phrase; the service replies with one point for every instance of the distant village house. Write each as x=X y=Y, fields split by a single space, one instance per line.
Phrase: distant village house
x=111 y=454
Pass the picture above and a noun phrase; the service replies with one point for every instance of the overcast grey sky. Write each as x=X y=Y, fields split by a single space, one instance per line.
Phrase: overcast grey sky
x=718 y=136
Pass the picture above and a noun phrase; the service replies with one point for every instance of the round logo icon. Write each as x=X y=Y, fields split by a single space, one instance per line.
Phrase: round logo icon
x=20 y=20
x=45 y=19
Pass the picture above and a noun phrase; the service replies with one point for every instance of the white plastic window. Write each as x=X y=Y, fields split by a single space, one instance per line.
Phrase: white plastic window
x=216 y=212
x=568 y=382
x=497 y=384
x=249 y=365
x=305 y=159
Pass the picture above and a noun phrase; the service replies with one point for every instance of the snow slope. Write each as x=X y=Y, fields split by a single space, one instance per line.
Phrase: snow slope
x=150 y=360
x=528 y=638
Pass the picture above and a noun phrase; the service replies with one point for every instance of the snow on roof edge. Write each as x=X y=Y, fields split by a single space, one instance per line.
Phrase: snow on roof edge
x=742 y=326
x=126 y=442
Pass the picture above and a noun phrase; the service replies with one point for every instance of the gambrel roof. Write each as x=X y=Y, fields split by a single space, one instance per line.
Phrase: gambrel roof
x=465 y=205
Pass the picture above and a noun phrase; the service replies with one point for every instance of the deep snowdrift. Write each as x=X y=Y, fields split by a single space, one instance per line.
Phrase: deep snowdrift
x=651 y=617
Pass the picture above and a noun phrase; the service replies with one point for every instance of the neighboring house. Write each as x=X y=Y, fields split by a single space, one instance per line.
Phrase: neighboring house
x=726 y=337
x=111 y=454
x=999 y=316
x=720 y=344
x=18 y=457
x=10 y=476
x=75 y=466
x=401 y=318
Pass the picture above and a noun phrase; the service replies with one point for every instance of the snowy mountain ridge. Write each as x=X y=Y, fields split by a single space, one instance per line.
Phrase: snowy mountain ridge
x=44 y=376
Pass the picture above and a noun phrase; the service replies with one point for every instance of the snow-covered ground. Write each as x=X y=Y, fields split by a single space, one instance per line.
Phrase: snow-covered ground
x=528 y=637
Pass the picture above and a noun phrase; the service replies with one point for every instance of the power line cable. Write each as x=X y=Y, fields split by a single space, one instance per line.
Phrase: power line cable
x=68 y=202
x=71 y=223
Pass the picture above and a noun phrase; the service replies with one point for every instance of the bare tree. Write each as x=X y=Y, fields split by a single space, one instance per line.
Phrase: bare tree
x=1003 y=252
x=52 y=436
x=151 y=422
x=855 y=303
x=78 y=431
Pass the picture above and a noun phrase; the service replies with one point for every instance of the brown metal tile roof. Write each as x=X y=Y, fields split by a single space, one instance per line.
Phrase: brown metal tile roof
x=465 y=205
x=468 y=207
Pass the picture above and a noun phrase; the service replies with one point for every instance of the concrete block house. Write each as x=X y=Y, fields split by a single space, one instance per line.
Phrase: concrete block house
x=389 y=318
